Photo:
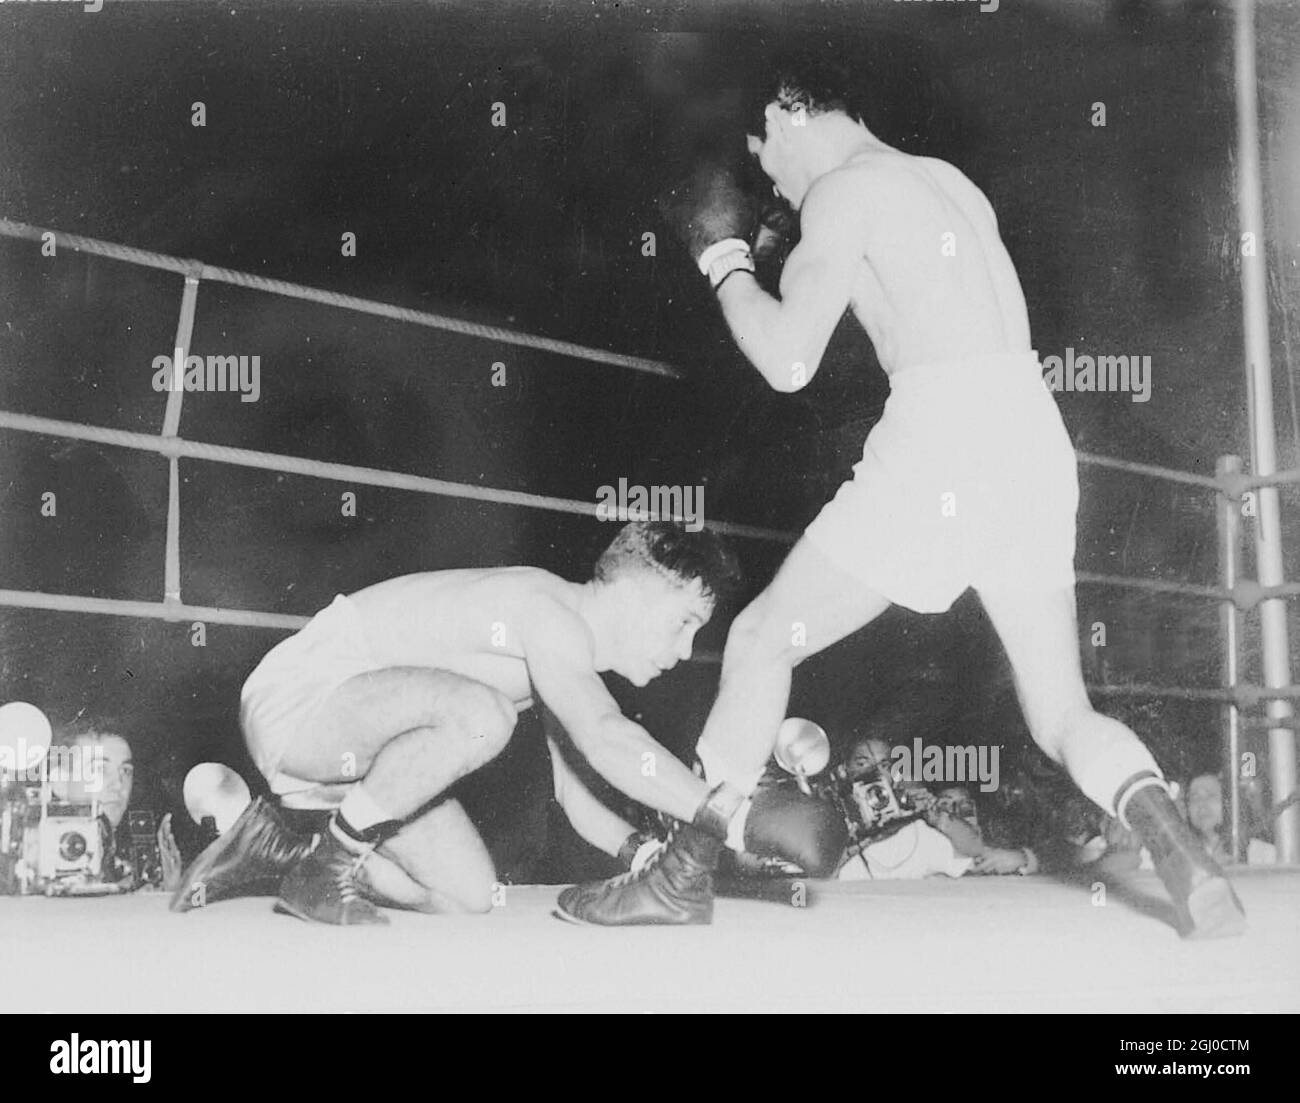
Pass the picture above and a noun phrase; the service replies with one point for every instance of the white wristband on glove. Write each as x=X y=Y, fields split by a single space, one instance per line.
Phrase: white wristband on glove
x=723 y=257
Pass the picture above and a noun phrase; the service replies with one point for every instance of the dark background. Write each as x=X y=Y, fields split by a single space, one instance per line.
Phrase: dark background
x=375 y=119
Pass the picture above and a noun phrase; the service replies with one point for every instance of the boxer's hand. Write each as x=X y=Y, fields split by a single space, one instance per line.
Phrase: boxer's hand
x=921 y=797
x=709 y=207
x=784 y=823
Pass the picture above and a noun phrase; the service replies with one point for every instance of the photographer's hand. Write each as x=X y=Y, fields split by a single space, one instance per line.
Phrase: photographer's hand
x=922 y=799
x=172 y=865
x=996 y=860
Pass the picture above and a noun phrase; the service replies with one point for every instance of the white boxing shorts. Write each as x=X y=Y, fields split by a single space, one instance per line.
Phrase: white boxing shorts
x=968 y=479
x=284 y=696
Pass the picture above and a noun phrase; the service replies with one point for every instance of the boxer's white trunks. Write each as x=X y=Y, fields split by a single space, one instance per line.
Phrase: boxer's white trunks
x=968 y=479
x=284 y=696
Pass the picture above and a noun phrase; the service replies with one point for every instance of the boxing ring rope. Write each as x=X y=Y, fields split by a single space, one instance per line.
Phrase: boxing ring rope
x=197 y=270
x=1235 y=595
x=174 y=447
x=1189 y=478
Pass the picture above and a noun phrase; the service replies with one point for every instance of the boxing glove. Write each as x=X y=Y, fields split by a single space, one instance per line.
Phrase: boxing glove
x=784 y=823
x=710 y=207
x=776 y=233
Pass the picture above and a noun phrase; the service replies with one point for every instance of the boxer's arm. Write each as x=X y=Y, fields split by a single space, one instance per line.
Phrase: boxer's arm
x=786 y=338
x=561 y=663
x=591 y=819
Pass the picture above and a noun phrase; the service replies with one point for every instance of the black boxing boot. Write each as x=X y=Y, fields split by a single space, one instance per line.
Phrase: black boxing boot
x=1203 y=899
x=323 y=888
x=250 y=859
x=675 y=887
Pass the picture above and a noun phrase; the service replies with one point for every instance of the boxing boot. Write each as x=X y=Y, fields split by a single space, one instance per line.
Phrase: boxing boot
x=1203 y=899
x=250 y=859
x=322 y=888
x=674 y=887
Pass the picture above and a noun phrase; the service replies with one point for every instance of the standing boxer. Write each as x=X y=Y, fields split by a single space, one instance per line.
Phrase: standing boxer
x=968 y=479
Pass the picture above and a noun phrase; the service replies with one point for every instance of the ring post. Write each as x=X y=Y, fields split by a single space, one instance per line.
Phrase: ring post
x=1259 y=380
x=171 y=425
x=1229 y=518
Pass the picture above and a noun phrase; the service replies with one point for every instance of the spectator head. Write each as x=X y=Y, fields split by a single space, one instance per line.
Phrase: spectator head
x=91 y=760
x=957 y=801
x=1205 y=804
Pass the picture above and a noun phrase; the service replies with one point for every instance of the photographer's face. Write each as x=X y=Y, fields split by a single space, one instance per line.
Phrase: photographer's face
x=956 y=801
x=866 y=756
x=103 y=771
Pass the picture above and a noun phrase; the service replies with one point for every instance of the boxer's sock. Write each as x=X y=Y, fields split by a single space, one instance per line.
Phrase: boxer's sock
x=1108 y=762
x=360 y=824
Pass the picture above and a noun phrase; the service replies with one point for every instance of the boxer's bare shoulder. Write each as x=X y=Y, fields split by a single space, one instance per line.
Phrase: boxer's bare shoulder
x=473 y=622
x=935 y=283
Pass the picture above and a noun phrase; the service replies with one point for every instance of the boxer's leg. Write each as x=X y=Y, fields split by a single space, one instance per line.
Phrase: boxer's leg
x=436 y=863
x=409 y=733
x=809 y=605
x=1039 y=629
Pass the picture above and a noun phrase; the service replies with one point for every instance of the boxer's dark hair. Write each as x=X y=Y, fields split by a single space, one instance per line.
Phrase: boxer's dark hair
x=816 y=82
x=669 y=547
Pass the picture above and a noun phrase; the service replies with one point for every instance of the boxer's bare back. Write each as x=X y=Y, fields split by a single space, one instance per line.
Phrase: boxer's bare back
x=911 y=246
x=470 y=622
x=936 y=284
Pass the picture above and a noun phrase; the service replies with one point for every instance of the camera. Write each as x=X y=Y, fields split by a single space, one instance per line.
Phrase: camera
x=871 y=803
x=71 y=844
x=19 y=834
x=143 y=857
x=53 y=848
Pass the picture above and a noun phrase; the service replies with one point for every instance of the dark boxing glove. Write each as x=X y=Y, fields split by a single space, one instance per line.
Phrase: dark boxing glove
x=776 y=233
x=785 y=823
x=715 y=218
